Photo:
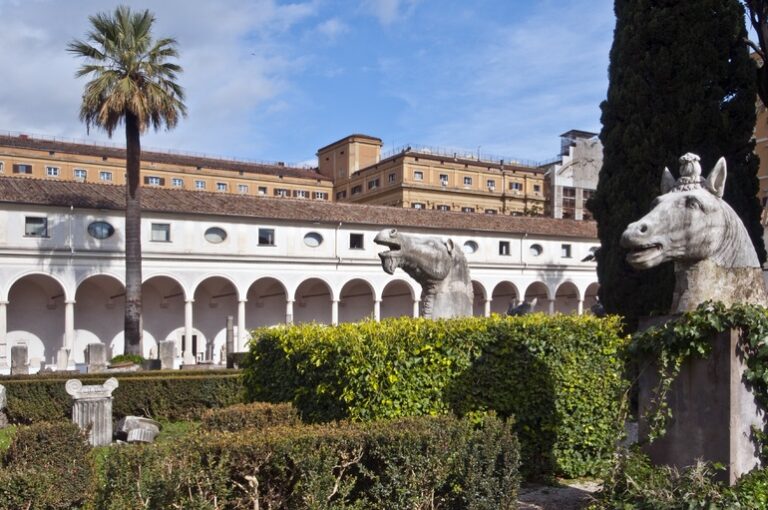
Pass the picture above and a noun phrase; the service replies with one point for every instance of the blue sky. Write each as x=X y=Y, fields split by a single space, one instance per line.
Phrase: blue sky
x=272 y=80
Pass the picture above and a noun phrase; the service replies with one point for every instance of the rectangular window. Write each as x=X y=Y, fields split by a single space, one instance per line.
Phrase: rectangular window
x=161 y=232
x=356 y=241
x=242 y=188
x=320 y=195
x=417 y=205
x=391 y=178
x=565 y=251
x=105 y=176
x=467 y=181
x=282 y=192
x=516 y=186
x=266 y=237
x=504 y=248
x=300 y=193
x=491 y=211
x=341 y=194
x=152 y=180
x=444 y=179
x=537 y=188
x=373 y=184
x=177 y=182
x=491 y=183
x=357 y=189
x=2 y=167
x=221 y=186
x=443 y=207
x=418 y=175
x=35 y=226
x=81 y=174
x=52 y=171
x=467 y=209
x=199 y=184
x=22 y=168
x=262 y=190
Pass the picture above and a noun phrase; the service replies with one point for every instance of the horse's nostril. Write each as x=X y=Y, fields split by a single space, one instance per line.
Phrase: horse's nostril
x=643 y=228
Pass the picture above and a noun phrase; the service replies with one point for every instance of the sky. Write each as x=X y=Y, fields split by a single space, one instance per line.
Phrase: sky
x=271 y=80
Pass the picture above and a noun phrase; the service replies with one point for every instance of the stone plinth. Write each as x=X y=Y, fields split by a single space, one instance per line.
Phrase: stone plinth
x=137 y=429
x=19 y=365
x=166 y=352
x=93 y=407
x=96 y=357
x=713 y=412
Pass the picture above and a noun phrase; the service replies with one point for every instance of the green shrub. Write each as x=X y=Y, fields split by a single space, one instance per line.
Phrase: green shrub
x=48 y=466
x=123 y=358
x=255 y=415
x=160 y=395
x=406 y=463
x=559 y=376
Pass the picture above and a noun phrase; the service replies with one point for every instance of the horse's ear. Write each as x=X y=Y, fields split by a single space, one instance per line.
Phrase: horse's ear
x=449 y=244
x=667 y=181
x=716 y=179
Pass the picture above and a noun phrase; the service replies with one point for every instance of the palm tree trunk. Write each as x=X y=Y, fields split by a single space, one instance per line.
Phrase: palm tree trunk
x=133 y=327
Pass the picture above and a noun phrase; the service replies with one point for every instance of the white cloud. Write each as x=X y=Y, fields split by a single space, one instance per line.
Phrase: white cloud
x=332 y=28
x=389 y=11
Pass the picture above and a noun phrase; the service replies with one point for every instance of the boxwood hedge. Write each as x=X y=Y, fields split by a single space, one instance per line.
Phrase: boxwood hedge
x=559 y=376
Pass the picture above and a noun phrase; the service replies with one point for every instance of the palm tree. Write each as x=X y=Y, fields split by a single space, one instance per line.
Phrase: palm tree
x=131 y=82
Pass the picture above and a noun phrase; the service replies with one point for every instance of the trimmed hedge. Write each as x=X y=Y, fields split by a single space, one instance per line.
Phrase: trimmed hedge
x=48 y=466
x=559 y=376
x=166 y=395
x=256 y=415
x=407 y=463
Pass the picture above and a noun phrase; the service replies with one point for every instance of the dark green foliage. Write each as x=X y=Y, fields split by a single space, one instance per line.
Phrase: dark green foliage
x=681 y=80
x=164 y=395
x=560 y=377
x=123 y=358
x=406 y=463
x=256 y=415
x=48 y=466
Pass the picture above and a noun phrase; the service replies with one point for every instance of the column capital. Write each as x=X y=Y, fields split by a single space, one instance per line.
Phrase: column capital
x=69 y=302
x=242 y=300
x=3 y=302
x=189 y=301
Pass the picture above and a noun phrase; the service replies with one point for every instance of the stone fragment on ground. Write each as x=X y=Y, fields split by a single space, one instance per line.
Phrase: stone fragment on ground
x=567 y=495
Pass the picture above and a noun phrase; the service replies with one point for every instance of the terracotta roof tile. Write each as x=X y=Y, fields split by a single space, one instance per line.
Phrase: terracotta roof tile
x=112 y=197
x=160 y=157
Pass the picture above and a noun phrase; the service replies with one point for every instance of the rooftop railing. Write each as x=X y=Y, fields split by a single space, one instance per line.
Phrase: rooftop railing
x=467 y=154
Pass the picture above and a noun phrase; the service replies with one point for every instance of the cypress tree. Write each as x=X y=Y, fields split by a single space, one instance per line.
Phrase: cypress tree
x=681 y=80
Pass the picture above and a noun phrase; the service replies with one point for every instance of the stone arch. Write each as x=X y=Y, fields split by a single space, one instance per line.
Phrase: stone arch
x=215 y=299
x=99 y=314
x=163 y=299
x=313 y=302
x=540 y=291
x=567 y=298
x=35 y=317
x=504 y=294
x=356 y=300
x=68 y=292
x=478 y=302
x=397 y=299
x=266 y=305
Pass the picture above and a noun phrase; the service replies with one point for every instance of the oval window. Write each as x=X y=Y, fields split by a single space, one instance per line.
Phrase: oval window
x=313 y=239
x=215 y=235
x=536 y=250
x=470 y=247
x=101 y=230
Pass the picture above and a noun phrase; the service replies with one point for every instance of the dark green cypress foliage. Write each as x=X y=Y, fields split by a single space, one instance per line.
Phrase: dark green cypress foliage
x=681 y=80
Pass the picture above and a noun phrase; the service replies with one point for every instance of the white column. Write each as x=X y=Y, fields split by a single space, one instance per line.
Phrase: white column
x=551 y=307
x=580 y=307
x=289 y=312
x=335 y=312
x=416 y=303
x=188 y=357
x=4 y=362
x=377 y=310
x=487 y=308
x=242 y=331
x=69 y=326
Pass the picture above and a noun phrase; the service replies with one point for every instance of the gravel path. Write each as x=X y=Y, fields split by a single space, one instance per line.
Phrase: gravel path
x=569 y=495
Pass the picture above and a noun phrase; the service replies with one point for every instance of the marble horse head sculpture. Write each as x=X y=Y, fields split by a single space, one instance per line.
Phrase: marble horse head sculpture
x=691 y=225
x=439 y=266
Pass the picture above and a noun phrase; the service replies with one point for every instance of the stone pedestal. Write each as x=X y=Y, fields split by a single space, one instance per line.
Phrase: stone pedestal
x=713 y=411
x=19 y=365
x=96 y=357
x=93 y=406
x=62 y=359
x=166 y=351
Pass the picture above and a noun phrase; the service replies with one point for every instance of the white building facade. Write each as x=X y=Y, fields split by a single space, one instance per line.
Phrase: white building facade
x=573 y=181
x=261 y=261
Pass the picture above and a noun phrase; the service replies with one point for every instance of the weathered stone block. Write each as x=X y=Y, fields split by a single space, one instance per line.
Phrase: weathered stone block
x=19 y=365
x=166 y=352
x=93 y=407
x=96 y=357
